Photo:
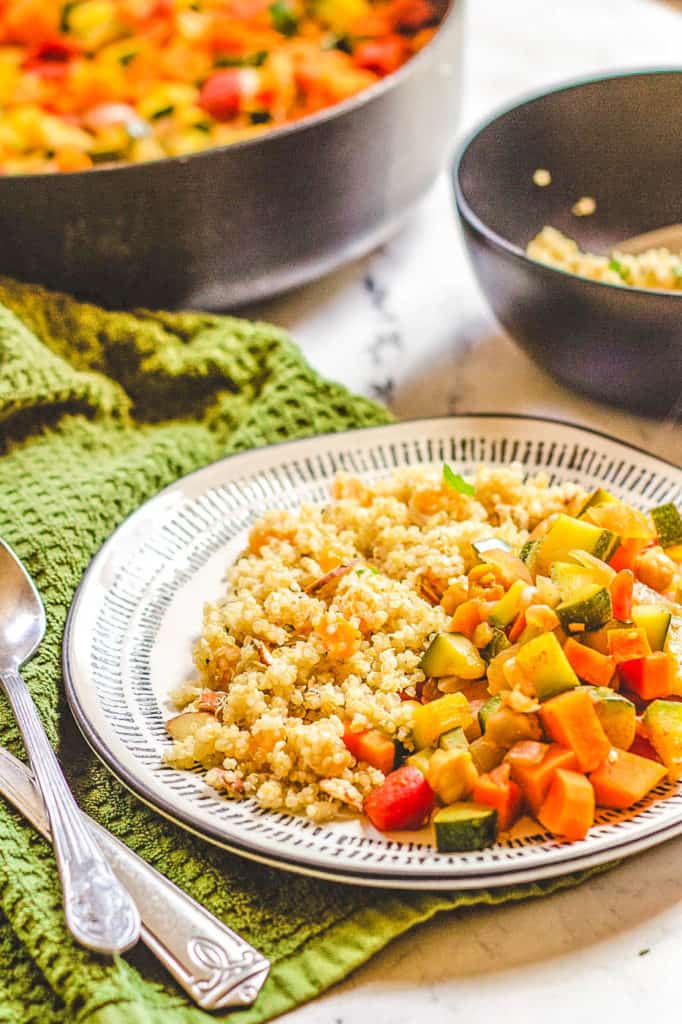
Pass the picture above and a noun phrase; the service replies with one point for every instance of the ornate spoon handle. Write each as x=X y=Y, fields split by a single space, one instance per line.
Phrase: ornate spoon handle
x=213 y=964
x=99 y=912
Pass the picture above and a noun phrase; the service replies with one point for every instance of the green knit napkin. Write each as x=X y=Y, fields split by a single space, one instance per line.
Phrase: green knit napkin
x=98 y=411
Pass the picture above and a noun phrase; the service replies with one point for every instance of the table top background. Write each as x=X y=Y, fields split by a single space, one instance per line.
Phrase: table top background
x=408 y=325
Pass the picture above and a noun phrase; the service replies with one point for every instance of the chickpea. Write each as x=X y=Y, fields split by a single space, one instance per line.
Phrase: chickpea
x=655 y=569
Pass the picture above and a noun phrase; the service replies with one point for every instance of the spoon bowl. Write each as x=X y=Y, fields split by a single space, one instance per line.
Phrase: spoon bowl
x=22 y=615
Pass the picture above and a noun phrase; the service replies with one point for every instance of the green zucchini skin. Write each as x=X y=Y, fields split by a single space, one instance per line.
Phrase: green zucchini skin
x=453 y=740
x=668 y=523
x=492 y=704
x=598 y=497
x=465 y=826
x=591 y=611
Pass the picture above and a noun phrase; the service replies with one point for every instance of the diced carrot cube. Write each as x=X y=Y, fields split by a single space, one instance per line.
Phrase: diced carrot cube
x=469 y=615
x=571 y=720
x=590 y=665
x=535 y=777
x=624 y=778
x=649 y=677
x=496 y=789
x=621 y=594
x=371 y=746
x=568 y=809
x=626 y=644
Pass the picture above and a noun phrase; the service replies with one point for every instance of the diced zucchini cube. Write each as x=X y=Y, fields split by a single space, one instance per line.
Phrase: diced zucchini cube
x=488 y=543
x=668 y=523
x=617 y=714
x=430 y=721
x=485 y=754
x=492 y=704
x=655 y=621
x=454 y=739
x=663 y=720
x=567 y=534
x=507 y=608
x=544 y=663
x=465 y=826
x=452 y=654
x=598 y=497
x=589 y=610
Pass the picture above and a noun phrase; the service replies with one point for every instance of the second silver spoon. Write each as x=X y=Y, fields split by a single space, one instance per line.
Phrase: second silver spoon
x=99 y=912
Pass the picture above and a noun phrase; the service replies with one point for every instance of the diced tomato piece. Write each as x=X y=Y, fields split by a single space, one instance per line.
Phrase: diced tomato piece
x=628 y=552
x=382 y=56
x=410 y=15
x=222 y=94
x=403 y=801
x=621 y=594
x=496 y=789
x=371 y=746
x=649 y=677
x=56 y=50
x=642 y=747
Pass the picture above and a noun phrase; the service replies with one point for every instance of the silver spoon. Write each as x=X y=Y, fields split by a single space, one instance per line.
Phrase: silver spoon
x=99 y=912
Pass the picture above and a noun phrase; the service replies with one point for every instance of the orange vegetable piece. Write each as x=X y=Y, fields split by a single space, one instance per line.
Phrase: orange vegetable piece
x=510 y=567
x=568 y=809
x=340 y=637
x=626 y=644
x=525 y=752
x=649 y=677
x=628 y=552
x=592 y=666
x=624 y=779
x=535 y=777
x=469 y=615
x=571 y=720
x=71 y=158
x=496 y=789
x=517 y=628
x=371 y=746
x=30 y=21
x=628 y=522
x=621 y=594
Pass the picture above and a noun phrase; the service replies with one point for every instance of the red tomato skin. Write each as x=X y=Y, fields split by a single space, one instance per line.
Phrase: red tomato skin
x=221 y=94
x=382 y=56
x=403 y=801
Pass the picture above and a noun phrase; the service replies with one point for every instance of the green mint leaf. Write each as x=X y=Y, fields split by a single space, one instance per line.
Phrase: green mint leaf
x=457 y=482
x=620 y=269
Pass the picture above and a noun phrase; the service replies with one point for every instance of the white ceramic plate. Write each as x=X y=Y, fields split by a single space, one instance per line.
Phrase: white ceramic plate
x=131 y=627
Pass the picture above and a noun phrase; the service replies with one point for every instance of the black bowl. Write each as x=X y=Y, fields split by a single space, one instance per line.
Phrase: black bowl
x=617 y=139
x=238 y=223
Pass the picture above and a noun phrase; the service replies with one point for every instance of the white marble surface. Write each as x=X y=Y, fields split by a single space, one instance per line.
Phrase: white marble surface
x=408 y=324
